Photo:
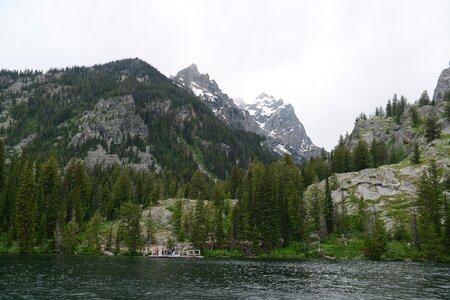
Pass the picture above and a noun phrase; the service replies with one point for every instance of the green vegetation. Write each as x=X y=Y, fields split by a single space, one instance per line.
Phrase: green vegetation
x=50 y=202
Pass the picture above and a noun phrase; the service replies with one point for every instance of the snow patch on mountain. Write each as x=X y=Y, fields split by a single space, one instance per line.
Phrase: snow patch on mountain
x=264 y=115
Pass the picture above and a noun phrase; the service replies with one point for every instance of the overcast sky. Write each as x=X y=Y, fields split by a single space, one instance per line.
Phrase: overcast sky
x=330 y=59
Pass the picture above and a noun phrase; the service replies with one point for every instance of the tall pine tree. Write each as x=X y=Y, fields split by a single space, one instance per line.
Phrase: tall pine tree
x=25 y=209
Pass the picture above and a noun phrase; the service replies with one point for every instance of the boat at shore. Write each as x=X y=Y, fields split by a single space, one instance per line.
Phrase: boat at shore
x=176 y=253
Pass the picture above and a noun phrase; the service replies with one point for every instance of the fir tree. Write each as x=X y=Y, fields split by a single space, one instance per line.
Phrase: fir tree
x=53 y=204
x=375 y=240
x=415 y=159
x=430 y=209
x=447 y=105
x=340 y=160
x=378 y=153
x=121 y=193
x=432 y=129
x=177 y=220
x=361 y=156
x=389 y=109
x=77 y=190
x=71 y=237
x=424 y=99
x=130 y=217
x=2 y=164
x=150 y=231
x=415 y=119
x=199 y=232
x=25 y=209
x=328 y=209
x=94 y=230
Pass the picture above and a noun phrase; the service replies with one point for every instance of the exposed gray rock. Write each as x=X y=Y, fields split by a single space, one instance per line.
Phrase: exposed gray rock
x=442 y=86
x=23 y=143
x=210 y=93
x=279 y=123
x=112 y=120
x=100 y=157
x=269 y=117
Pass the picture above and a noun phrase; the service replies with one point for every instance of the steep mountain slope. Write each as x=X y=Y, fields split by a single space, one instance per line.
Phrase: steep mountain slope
x=391 y=189
x=268 y=117
x=122 y=112
x=442 y=85
x=278 y=121
x=210 y=93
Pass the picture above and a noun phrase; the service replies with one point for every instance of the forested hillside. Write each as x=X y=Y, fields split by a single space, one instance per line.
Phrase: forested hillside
x=123 y=112
x=382 y=193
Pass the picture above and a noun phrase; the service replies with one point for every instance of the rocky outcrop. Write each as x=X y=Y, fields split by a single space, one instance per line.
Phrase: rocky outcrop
x=268 y=117
x=210 y=93
x=442 y=86
x=112 y=120
x=99 y=156
x=279 y=123
x=389 y=189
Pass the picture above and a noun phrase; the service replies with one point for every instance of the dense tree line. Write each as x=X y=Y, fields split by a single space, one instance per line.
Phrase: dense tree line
x=47 y=208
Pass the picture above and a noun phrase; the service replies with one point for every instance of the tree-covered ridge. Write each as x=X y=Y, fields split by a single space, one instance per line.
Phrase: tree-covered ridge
x=41 y=113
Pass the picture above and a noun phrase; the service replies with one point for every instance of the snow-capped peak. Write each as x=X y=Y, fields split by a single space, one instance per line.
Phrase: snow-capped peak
x=265 y=115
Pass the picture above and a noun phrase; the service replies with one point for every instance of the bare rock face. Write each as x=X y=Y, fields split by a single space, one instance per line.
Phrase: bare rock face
x=442 y=86
x=210 y=93
x=99 y=156
x=268 y=117
x=112 y=120
x=285 y=132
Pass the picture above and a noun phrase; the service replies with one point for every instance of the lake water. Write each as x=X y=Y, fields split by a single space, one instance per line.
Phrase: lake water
x=36 y=277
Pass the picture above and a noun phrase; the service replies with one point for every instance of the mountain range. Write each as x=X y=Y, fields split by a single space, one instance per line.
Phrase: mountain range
x=123 y=112
x=267 y=116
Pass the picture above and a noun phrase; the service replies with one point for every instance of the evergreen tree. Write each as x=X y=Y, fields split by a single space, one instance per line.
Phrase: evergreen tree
x=424 y=99
x=432 y=129
x=341 y=158
x=375 y=240
x=94 y=230
x=2 y=165
x=71 y=237
x=447 y=105
x=52 y=199
x=315 y=210
x=218 y=198
x=150 y=230
x=235 y=182
x=389 y=109
x=77 y=189
x=199 y=232
x=26 y=209
x=121 y=193
x=328 y=209
x=415 y=159
x=415 y=119
x=177 y=220
x=430 y=209
x=361 y=156
x=198 y=188
x=378 y=153
x=3 y=215
x=130 y=220
x=269 y=220
x=8 y=196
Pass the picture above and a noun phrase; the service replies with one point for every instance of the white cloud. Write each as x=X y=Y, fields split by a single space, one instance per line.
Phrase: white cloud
x=330 y=59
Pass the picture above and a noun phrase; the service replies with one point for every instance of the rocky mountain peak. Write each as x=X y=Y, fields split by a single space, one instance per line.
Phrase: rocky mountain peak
x=193 y=69
x=265 y=115
x=280 y=124
x=443 y=85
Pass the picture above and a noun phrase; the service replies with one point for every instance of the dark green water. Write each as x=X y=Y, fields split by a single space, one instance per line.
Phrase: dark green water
x=62 y=277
